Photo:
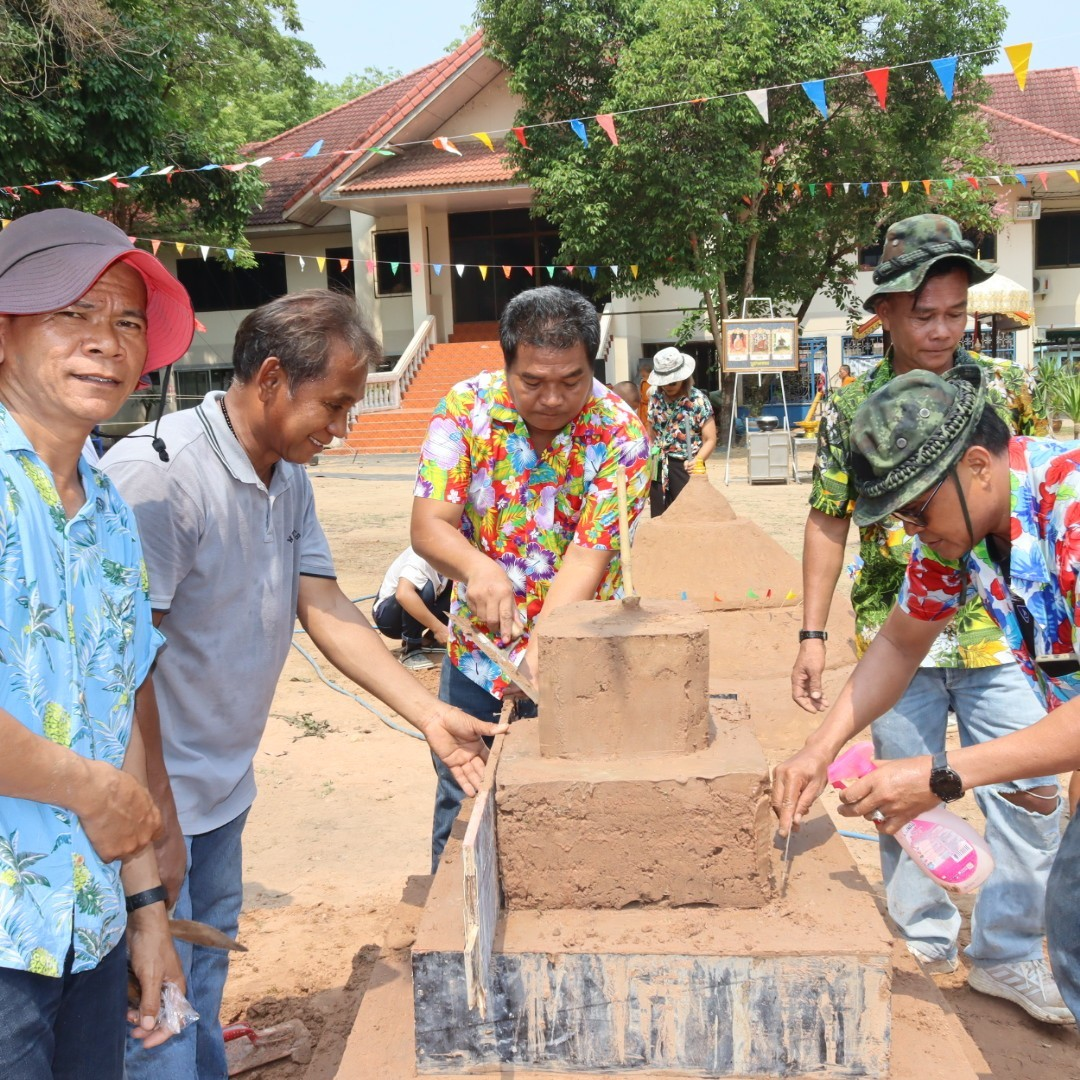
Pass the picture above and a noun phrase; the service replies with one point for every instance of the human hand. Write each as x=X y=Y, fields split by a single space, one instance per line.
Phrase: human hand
x=171 y=852
x=116 y=812
x=154 y=961
x=492 y=600
x=441 y=634
x=455 y=738
x=806 y=689
x=797 y=782
x=898 y=790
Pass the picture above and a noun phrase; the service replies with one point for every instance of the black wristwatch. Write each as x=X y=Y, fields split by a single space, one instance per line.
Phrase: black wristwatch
x=945 y=783
x=807 y=635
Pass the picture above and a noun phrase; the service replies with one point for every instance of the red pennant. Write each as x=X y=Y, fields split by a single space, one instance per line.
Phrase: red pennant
x=885 y=187
x=879 y=80
x=199 y=326
x=289 y=156
x=65 y=187
x=370 y=264
x=416 y=268
x=519 y=132
x=768 y=593
x=117 y=183
x=973 y=181
x=1042 y=177
x=828 y=190
x=30 y=187
x=570 y=269
x=532 y=270
x=607 y=122
x=154 y=245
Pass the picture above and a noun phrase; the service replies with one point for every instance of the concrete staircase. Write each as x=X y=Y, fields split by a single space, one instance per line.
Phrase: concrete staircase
x=402 y=431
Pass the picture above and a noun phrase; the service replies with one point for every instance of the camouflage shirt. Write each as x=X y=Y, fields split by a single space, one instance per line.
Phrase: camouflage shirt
x=972 y=639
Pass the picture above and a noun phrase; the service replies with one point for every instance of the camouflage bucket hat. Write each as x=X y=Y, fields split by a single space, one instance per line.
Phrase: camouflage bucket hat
x=912 y=246
x=907 y=435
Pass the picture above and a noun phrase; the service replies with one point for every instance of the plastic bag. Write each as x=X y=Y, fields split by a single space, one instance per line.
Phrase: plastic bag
x=176 y=1011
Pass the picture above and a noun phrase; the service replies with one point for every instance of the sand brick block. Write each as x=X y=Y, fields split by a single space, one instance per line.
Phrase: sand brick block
x=664 y=830
x=619 y=679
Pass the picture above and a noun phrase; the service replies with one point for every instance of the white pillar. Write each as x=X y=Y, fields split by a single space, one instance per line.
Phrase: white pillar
x=418 y=252
x=362 y=226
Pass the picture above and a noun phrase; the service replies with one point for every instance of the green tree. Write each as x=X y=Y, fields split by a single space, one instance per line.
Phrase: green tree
x=690 y=194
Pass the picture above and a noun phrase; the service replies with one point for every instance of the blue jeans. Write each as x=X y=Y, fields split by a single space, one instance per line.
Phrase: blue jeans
x=71 y=1028
x=1007 y=923
x=212 y=893
x=393 y=621
x=1062 y=924
x=457 y=690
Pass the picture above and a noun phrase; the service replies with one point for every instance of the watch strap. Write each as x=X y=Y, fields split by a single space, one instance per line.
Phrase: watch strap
x=813 y=635
x=145 y=898
x=939 y=761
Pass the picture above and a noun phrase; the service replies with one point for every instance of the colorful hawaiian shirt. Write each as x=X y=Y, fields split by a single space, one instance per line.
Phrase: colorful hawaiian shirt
x=523 y=509
x=76 y=640
x=1044 y=562
x=972 y=640
x=676 y=427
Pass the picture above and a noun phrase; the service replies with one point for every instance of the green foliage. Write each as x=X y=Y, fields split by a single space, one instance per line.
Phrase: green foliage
x=682 y=195
x=1065 y=398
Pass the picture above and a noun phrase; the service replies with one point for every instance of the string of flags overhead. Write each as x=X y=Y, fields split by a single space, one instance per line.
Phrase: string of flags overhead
x=944 y=68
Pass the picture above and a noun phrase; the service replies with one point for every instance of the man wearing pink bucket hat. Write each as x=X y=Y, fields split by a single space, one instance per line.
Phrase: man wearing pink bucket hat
x=83 y=315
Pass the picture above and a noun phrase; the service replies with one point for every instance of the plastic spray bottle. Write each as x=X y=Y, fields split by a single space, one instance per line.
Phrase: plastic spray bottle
x=944 y=846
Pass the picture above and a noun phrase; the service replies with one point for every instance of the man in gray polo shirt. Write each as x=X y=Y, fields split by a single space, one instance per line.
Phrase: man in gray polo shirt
x=235 y=554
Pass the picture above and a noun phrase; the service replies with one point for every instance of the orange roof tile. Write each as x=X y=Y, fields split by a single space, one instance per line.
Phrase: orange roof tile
x=1039 y=126
x=426 y=166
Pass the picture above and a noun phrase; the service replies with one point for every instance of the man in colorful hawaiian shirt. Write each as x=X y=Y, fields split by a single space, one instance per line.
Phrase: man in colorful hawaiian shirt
x=84 y=315
x=516 y=497
x=997 y=516
x=920 y=296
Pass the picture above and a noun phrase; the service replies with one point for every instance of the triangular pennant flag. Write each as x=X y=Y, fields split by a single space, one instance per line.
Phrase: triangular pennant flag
x=579 y=130
x=180 y=248
x=760 y=101
x=1075 y=174
x=30 y=187
x=320 y=262
x=443 y=143
x=207 y=167
x=973 y=181
x=633 y=270
x=1042 y=176
x=813 y=190
x=1022 y=178
x=485 y=138
x=205 y=250
x=370 y=264
x=780 y=189
x=154 y=245
x=904 y=185
x=102 y=179
x=607 y=122
x=879 y=80
x=790 y=595
x=1019 y=56
x=926 y=186
x=343 y=264
x=768 y=594
x=118 y=183
x=615 y=271
x=139 y=171
x=865 y=188
x=437 y=267
x=752 y=595
x=483 y=272
x=570 y=269
x=847 y=187
x=302 y=263
x=460 y=267
x=798 y=191
x=231 y=252
x=519 y=134
x=945 y=69
x=239 y=166
x=506 y=270
x=550 y=270
x=258 y=163
x=164 y=172
x=828 y=190
x=289 y=156
x=383 y=151
x=313 y=149
x=885 y=187
x=592 y=271
x=416 y=267
x=530 y=270
x=949 y=183
x=815 y=91
x=394 y=267
x=997 y=180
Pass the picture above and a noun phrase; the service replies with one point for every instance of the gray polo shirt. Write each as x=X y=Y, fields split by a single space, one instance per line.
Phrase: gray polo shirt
x=225 y=557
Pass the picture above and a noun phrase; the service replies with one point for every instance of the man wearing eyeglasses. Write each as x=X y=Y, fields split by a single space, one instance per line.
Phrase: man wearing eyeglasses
x=920 y=295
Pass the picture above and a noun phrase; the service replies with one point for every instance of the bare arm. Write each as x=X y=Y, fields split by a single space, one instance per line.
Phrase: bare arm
x=875 y=686
x=435 y=536
x=708 y=441
x=412 y=602
x=824 y=538
x=347 y=640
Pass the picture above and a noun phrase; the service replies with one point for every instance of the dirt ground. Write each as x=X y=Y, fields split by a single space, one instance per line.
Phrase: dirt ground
x=343 y=815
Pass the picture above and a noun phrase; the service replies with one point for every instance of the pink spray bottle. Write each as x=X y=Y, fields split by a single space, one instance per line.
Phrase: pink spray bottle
x=944 y=846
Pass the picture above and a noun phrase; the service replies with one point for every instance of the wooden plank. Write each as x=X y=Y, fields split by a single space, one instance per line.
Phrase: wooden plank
x=482 y=895
x=495 y=655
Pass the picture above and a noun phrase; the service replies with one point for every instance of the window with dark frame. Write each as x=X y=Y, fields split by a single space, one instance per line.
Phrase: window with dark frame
x=1057 y=240
x=392 y=247
x=217 y=286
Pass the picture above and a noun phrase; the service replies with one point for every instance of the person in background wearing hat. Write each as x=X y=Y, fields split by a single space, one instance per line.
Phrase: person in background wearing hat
x=920 y=295
x=82 y=315
x=236 y=555
x=516 y=500
x=682 y=427
x=996 y=516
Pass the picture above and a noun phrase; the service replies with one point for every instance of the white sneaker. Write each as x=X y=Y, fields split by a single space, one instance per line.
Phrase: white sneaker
x=943 y=965
x=417 y=661
x=1028 y=983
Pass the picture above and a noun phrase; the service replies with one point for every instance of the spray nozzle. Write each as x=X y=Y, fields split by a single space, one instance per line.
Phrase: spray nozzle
x=855 y=761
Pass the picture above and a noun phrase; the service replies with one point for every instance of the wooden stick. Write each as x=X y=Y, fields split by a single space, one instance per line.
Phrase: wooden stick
x=624 y=533
x=495 y=655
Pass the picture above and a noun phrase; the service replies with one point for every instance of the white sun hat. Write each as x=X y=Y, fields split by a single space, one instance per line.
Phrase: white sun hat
x=671 y=366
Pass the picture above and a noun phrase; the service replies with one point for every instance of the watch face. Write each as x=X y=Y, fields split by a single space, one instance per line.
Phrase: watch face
x=946 y=784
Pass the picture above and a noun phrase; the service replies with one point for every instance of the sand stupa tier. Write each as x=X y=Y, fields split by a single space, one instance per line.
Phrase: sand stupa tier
x=618 y=679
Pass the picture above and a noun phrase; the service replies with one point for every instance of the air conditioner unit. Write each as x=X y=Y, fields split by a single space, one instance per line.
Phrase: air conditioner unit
x=1028 y=210
x=1040 y=284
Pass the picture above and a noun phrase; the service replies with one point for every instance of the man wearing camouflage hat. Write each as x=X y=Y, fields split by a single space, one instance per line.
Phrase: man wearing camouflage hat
x=996 y=516
x=920 y=295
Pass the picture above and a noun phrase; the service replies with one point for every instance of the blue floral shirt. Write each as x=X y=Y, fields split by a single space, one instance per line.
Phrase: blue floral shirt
x=1044 y=563
x=76 y=640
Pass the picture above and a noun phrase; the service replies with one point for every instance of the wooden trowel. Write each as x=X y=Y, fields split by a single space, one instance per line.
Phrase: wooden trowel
x=496 y=655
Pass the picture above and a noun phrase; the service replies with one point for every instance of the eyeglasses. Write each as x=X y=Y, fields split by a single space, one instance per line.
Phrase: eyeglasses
x=917 y=517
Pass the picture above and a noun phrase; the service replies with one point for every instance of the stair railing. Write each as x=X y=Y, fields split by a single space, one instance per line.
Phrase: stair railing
x=607 y=338
x=385 y=389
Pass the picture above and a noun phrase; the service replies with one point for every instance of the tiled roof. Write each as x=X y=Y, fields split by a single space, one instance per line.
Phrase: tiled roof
x=1038 y=126
x=358 y=124
x=425 y=166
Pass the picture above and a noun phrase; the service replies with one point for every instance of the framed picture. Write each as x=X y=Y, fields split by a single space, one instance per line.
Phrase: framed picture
x=760 y=346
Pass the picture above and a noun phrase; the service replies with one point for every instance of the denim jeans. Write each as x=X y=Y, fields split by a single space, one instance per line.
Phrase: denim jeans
x=70 y=1028
x=1062 y=924
x=393 y=621
x=1007 y=923
x=457 y=690
x=211 y=894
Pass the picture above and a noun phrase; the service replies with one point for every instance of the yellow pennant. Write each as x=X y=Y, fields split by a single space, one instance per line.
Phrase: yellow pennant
x=485 y=138
x=180 y=248
x=633 y=269
x=904 y=185
x=790 y=595
x=483 y=272
x=320 y=261
x=1019 y=56
x=4 y=222
x=1074 y=174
